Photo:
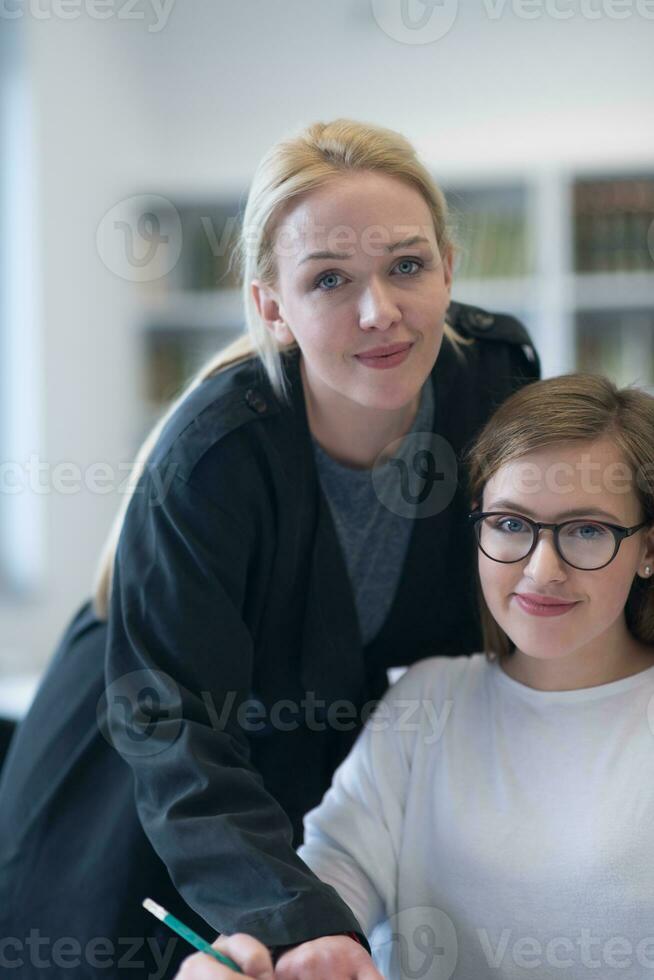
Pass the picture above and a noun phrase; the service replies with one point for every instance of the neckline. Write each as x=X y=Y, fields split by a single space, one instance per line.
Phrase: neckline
x=424 y=417
x=595 y=693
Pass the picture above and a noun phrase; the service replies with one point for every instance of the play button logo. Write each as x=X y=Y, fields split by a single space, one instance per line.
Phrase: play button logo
x=415 y=21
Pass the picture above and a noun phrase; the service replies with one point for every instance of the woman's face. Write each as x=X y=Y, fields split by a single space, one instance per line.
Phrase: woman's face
x=378 y=281
x=584 y=480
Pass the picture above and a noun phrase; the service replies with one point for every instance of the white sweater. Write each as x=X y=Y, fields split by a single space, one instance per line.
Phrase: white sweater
x=495 y=830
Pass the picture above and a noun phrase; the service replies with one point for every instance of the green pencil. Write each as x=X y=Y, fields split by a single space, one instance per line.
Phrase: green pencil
x=188 y=934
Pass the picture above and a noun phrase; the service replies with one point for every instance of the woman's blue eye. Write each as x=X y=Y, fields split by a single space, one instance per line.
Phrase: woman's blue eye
x=411 y=262
x=319 y=283
x=510 y=524
x=587 y=532
x=328 y=275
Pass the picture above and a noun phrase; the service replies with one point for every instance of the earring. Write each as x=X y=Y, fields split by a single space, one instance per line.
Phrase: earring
x=648 y=570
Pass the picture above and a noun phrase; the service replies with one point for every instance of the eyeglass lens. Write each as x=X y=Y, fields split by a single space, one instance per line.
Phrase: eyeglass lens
x=585 y=544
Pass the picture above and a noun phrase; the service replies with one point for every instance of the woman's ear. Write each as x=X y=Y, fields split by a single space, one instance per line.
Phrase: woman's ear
x=646 y=566
x=268 y=307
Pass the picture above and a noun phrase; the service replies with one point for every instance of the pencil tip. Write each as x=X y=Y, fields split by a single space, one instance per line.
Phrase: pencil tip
x=156 y=910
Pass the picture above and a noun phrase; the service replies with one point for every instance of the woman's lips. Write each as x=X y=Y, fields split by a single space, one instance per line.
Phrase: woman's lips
x=382 y=361
x=543 y=605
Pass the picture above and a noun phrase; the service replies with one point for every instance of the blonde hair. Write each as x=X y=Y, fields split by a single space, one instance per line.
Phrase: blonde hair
x=293 y=167
x=573 y=407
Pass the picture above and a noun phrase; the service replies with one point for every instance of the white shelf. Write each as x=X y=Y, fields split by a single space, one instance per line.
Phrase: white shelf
x=499 y=295
x=612 y=290
x=204 y=308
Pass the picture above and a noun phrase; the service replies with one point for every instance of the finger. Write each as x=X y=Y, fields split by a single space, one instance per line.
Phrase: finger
x=199 y=966
x=368 y=972
x=251 y=955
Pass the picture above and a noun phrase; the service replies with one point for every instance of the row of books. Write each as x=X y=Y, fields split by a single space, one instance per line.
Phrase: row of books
x=492 y=244
x=614 y=225
x=172 y=356
x=209 y=234
x=617 y=344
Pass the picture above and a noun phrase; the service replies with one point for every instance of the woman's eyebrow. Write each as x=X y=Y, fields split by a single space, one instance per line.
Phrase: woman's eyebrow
x=404 y=243
x=576 y=512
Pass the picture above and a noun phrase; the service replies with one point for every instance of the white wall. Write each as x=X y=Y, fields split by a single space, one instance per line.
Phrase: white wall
x=121 y=110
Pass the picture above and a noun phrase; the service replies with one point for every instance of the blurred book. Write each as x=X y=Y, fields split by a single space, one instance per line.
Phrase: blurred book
x=490 y=226
x=613 y=222
x=619 y=344
x=209 y=234
x=172 y=356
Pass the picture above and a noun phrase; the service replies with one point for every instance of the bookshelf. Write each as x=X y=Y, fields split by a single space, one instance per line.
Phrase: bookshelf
x=613 y=279
x=586 y=286
x=569 y=253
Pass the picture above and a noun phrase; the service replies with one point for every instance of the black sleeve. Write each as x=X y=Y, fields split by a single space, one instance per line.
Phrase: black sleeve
x=179 y=663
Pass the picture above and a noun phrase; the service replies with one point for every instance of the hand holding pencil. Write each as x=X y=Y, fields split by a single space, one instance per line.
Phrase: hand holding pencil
x=339 y=957
x=251 y=956
x=336 y=957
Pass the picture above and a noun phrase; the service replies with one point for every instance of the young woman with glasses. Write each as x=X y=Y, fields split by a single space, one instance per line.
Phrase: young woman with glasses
x=496 y=818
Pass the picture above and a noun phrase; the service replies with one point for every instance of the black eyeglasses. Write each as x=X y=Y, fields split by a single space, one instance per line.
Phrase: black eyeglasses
x=584 y=544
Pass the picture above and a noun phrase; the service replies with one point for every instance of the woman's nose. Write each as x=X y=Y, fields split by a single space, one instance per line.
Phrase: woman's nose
x=378 y=310
x=545 y=564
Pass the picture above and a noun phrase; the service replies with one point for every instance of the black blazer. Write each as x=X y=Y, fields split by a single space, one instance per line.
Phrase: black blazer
x=231 y=643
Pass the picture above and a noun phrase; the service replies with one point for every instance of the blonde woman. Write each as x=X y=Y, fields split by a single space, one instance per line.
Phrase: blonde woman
x=495 y=819
x=292 y=536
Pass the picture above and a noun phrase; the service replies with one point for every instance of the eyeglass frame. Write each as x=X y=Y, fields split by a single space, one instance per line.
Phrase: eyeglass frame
x=618 y=530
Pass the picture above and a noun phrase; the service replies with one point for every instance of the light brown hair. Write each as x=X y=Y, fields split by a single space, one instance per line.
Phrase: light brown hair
x=573 y=407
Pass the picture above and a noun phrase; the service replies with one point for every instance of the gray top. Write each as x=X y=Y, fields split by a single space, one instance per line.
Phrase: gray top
x=368 y=516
